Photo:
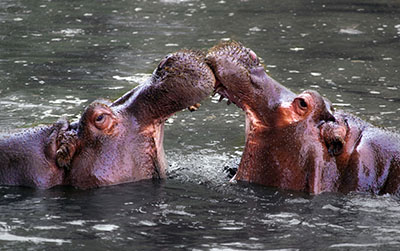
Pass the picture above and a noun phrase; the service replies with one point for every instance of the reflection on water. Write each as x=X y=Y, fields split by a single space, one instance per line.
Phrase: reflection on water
x=58 y=56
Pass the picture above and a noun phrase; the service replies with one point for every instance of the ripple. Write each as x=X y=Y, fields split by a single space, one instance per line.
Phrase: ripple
x=357 y=245
x=70 y=32
x=255 y=29
x=350 y=31
x=6 y=236
x=69 y=100
x=105 y=227
x=36 y=240
x=76 y=222
x=147 y=223
x=49 y=227
x=297 y=49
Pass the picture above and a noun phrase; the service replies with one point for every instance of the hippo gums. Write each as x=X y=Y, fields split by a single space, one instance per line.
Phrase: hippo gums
x=367 y=157
x=284 y=147
x=113 y=142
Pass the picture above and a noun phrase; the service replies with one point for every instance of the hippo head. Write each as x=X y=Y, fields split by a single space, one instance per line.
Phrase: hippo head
x=122 y=141
x=284 y=145
x=241 y=78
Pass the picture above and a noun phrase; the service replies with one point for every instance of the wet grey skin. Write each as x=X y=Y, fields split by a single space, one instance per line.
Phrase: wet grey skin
x=283 y=145
x=113 y=142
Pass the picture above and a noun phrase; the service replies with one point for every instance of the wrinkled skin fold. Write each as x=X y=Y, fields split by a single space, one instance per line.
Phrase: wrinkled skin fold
x=113 y=142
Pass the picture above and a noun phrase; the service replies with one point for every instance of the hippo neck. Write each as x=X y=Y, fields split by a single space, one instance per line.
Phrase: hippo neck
x=272 y=157
x=143 y=159
x=262 y=159
x=155 y=138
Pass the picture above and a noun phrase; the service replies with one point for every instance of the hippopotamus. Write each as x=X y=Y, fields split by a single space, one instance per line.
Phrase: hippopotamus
x=28 y=157
x=284 y=146
x=113 y=142
x=367 y=157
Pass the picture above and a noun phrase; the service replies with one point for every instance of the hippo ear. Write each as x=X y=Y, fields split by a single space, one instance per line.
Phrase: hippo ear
x=52 y=142
x=334 y=135
x=68 y=144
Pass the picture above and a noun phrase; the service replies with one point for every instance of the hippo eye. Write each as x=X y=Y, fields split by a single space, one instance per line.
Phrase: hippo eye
x=100 y=118
x=103 y=121
x=302 y=103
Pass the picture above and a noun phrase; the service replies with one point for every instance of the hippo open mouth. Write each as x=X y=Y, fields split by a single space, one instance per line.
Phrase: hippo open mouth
x=230 y=63
x=224 y=93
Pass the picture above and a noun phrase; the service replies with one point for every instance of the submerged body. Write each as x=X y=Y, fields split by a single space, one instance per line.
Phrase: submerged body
x=114 y=142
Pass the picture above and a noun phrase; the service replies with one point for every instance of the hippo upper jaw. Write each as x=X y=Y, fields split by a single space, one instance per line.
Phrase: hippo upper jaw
x=181 y=80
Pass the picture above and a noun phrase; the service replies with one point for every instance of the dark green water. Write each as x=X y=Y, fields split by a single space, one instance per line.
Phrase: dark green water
x=58 y=56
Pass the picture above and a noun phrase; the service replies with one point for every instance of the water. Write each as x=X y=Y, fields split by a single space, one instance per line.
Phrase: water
x=58 y=56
